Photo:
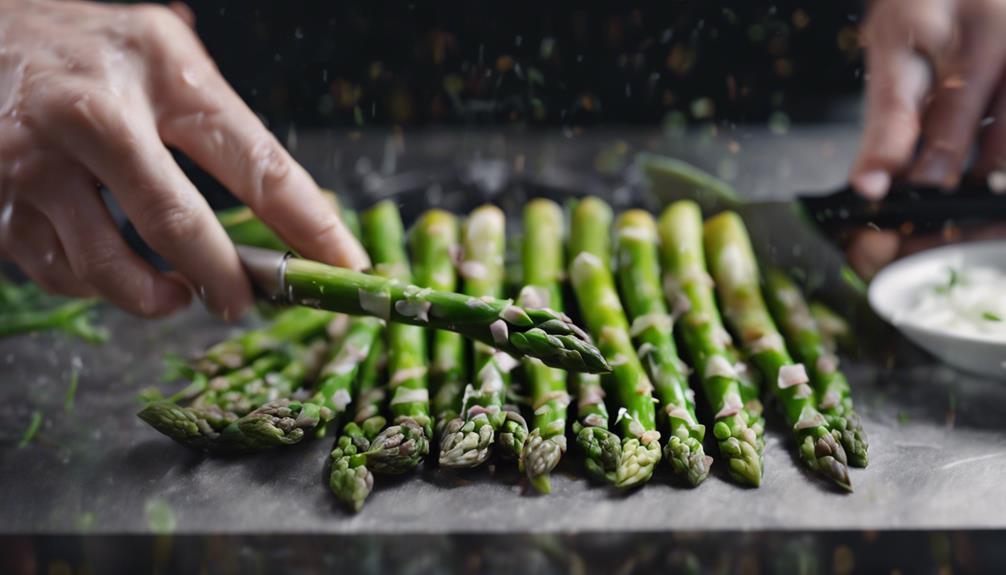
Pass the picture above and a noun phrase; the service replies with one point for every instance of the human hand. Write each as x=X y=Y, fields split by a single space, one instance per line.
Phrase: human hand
x=95 y=93
x=935 y=71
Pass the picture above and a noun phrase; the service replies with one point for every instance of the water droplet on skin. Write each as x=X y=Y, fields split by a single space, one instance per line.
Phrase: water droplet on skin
x=190 y=77
x=49 y=257
x=5 y=217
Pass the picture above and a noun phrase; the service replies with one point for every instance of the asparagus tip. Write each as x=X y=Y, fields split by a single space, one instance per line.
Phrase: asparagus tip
x=853 y=438
x=512 y=436
x=637 y=462
x=351 y=485
x=466 y=443
x=688 y=459
x=824 y=454
x=540 y=457
x=398 y=448
x=602 y=450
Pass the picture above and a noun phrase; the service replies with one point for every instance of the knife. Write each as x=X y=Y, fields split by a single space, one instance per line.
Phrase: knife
x=909 y=209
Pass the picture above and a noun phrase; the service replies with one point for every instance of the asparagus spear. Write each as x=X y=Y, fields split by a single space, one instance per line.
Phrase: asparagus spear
x=735 y=271
x=210 y=423
x=835 y=331
x=297 y=324
x=602 y=311
x=286 y=421
x=545 y=334
x=639 y=279
x=384 y=237
x=738 y=426
x=304 y=364
x=244 y=227
x=433 y=242
x=467 y=439
x=601 y=448
x=350 y=478
x=831 y=388
x=542 y=271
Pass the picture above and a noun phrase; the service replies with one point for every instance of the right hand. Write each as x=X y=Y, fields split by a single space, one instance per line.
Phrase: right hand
x=935 y=70
x=95 y=93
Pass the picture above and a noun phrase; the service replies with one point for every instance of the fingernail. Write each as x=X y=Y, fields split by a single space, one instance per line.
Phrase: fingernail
x=873 y=184
x=360 y=259
x=936 y=167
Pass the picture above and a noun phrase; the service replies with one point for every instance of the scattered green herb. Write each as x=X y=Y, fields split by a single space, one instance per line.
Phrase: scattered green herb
x=85 y=521
x=989 y=316
x=26 y=308
x=953 y=281
x=160 y=517
x=852 y=279
x=903 y=418
x=32 y=430
x=71 y=393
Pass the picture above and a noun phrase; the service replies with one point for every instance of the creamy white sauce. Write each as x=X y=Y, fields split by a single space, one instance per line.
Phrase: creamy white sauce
x=968 y=301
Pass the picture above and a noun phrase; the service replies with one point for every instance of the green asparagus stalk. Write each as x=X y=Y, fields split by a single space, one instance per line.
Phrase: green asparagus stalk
x=602 y=311
x=835 y=331
x=305 y=361
x=803 y=337
x=294 y=325
x=214 y=388
x=204 y=425
x=384 y=237
x=639 y=279
x=735 y=271
x=467 y=440
x=542 y=256
x=245 y=228
x=433 y=242
x=602 y=449
x=287 y=421
x=738 y=425
x=350 y=478
x=545 y=334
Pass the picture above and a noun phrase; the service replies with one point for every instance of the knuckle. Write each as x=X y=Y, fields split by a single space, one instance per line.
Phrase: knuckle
x=153 y=17
x=93 y=110
x=168 y=219
x=95 y=262
x=268 y=166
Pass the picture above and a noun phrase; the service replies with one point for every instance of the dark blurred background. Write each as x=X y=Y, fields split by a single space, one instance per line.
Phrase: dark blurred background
x=414 y=64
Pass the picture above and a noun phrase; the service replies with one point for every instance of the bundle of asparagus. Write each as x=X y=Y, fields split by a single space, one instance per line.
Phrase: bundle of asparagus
x=737 y=423
x=735 y=272
x=483 y=420
x=365 y=378
x=602 y=311
x=238 y=377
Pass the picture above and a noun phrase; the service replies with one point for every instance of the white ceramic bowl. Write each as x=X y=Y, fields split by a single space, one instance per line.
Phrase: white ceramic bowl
x=896 y=287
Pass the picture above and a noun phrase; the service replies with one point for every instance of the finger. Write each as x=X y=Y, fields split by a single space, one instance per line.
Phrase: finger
x=902 y=39
x=116 y=140
x=98 y=254
x=182 y=10
x=211 y=124
x=32 y=243
x=991 y=162
x=960 y=99
x=871 y=250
